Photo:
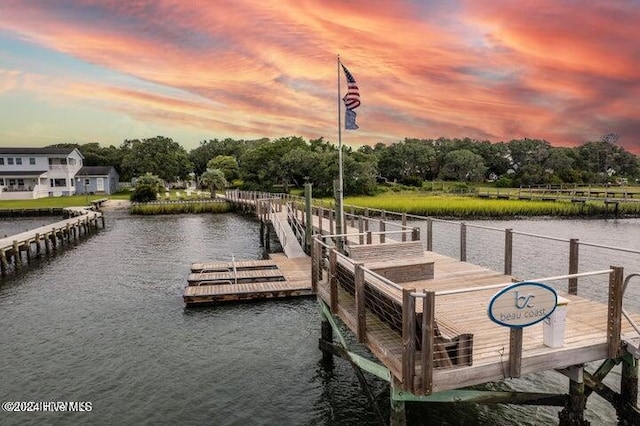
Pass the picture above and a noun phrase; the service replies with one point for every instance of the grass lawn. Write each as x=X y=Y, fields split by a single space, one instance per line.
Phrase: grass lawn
x=49 y=202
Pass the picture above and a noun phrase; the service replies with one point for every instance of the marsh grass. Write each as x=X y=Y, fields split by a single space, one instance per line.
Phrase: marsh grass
x=180 y=208
x=460 y=206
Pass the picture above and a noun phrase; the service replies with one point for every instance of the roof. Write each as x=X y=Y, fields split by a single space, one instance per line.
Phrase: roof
x=43 y=151
x=21 y=173
x=95 y=171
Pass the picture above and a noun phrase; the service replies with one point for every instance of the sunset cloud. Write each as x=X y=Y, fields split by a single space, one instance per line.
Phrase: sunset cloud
x=560 y=71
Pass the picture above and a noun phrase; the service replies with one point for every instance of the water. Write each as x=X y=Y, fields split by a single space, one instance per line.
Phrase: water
x=104 y=322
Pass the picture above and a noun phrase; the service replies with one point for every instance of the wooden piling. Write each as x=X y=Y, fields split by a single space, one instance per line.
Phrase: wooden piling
x=573 y=265
x=428 y=338
x=17 y=259
x=573 y=412
x=398 y=415
x=463 y=242
x=408 y=338
x=38 y=247
x=614 y=316
x=4 y=264
x=333 y=281
x=508 y=251
x=361 y=328
x=629 y=384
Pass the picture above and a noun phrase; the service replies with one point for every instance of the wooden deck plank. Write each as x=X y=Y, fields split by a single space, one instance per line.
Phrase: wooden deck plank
x=228 y=266
x=241 y=276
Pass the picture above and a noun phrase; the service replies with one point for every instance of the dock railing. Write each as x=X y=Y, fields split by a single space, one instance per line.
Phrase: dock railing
x=473 y=242
x=429 y=343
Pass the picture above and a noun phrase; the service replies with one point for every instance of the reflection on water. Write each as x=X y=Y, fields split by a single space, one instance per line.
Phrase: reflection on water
x=104 y=322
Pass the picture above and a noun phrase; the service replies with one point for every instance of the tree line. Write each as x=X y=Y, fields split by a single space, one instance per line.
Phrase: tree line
x=268 y=165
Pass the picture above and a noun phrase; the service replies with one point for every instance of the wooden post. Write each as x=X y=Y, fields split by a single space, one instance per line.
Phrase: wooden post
x=320 y=219
x=369 y=237
x=408 y=338
x=629 y=383
x=428 y=336
x=573 y=265
x=398 y=416
x=261 y=234
x=331 y=226
x=353 y=216
x=614 y=318
x=361 y=314
x=54 y=239
x=415 y=234
x=308 y=230
x=38 y=248
x=326 y=334
x=429 y=234
x=102 y=220
x=267 y=239
x=333 y=281
x=404 y=226
x=382 y=231
x=316 y=258
x=4 y=264
x=573 y=412
x=515 y=351
x=508 y=251
x=47 y=241
x=17 y=259
x=463 y=242
x=68 y=232
x=360 y=230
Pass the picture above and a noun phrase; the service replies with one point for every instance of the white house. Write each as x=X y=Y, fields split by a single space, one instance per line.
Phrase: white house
x=27 y=173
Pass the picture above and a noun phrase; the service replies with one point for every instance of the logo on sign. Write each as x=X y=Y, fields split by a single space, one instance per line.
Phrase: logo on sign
x=522 y=304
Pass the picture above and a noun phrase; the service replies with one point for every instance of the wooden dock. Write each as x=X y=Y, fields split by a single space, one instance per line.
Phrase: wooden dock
x=275 y=278
x=424 y=316
x=20 y=248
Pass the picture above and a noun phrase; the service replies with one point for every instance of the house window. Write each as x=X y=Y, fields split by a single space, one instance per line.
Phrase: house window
x=10 y=161
x=87 y=181
x=72 y=183
x=58 y=182
x=32 y=161
x=19 y=161
x=12 y=182
x=1 y=161
x=20 y=182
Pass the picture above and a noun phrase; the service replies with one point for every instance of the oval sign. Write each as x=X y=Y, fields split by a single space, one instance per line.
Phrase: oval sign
x=522 y=304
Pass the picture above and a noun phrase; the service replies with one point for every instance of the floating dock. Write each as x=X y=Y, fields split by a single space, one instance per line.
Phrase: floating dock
x=275 y=278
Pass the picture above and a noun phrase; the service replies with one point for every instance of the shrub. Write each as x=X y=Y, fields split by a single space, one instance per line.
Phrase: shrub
x=144 y=193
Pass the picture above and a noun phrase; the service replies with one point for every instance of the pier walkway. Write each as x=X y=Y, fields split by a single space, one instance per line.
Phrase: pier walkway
x=46 y=239
x=425 y=316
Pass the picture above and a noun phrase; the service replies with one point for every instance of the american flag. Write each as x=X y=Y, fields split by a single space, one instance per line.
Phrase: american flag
x=351 y=100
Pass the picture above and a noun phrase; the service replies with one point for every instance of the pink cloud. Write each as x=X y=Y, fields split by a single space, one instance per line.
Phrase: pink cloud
x=492 y=70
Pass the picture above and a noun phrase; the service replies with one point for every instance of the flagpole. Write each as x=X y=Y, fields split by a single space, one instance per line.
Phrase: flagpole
x=339 y=198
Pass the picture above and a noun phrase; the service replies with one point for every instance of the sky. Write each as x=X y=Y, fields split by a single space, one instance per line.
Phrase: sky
x=565 y=71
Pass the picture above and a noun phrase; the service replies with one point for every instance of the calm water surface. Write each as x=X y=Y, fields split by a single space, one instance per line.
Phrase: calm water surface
x=104 y=322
